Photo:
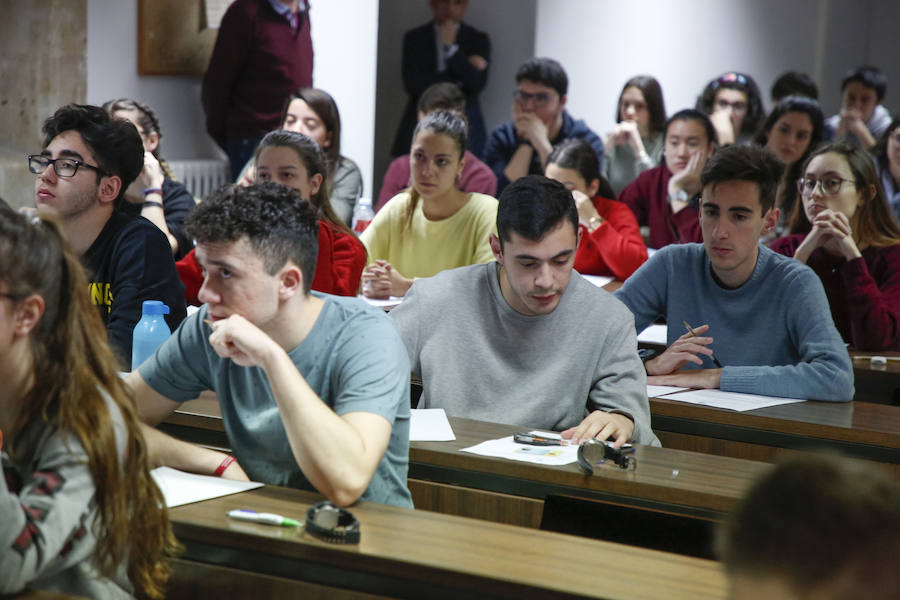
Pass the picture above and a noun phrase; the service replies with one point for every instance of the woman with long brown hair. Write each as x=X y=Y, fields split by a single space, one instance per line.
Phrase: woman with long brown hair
x=80 y=512
x=155 y=195
x=296 y=161
x=314 y=113
x=432 y=226
x=844 y=231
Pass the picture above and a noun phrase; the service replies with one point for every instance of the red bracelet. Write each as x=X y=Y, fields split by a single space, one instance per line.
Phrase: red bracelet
x=223 y=465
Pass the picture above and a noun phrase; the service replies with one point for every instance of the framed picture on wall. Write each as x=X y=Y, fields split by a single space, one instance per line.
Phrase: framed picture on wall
x=175 y=37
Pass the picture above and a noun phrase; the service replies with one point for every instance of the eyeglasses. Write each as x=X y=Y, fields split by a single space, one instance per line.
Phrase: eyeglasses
x=64 y=167
x=539 y=99
x=830 y=186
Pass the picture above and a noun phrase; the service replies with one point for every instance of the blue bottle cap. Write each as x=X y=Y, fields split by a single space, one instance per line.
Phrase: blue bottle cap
x=154 y=307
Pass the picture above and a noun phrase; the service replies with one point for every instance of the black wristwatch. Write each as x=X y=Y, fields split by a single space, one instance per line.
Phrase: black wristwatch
x=332 y=523
x=646 y=354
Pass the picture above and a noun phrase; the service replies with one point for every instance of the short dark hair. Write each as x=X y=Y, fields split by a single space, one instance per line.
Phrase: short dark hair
x=742 y=83
x=115 y=144
x=794 y=83
x=533 y=205
x=544 y=71
x=869 y=76
x=279 y=224
x=818 y=522
x=653 y=96
x=577 y=154
x=690 y=114
x=752 y=163
x=442 y=96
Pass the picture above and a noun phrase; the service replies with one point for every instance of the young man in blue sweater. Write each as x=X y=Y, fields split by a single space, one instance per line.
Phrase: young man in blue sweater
x=762 y=323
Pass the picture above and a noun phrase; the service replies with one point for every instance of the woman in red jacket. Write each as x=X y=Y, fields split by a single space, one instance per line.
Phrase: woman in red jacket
x=296 y=161
x=611 y=242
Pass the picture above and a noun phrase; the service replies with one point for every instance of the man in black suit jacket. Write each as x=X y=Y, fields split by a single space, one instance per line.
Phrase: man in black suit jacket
x=445 y=49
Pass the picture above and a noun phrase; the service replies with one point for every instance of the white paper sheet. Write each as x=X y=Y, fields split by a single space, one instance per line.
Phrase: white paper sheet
x=180 y=488
x=655 y=391
x=543 y=455
x=730 y=400
x=389 y=303
x=655 y=334
x=430 y=425
x=598 y=280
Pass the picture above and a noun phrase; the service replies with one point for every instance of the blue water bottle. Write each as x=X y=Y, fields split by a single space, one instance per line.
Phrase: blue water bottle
x=149 y=333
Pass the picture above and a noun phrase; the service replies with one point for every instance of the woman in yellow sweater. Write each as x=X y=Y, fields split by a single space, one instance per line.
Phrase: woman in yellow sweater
x=432 y=226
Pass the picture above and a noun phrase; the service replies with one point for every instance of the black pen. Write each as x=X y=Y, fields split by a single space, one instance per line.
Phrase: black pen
x=536 y=440
x=691 y=331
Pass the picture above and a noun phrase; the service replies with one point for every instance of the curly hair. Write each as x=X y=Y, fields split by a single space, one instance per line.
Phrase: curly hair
x=279 y=224
x=742 y=83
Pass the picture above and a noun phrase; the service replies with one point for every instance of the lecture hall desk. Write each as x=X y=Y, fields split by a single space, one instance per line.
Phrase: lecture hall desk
x=443 y=479
x=413 y=554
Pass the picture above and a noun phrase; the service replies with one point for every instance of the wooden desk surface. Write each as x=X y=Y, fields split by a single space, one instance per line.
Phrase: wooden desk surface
x=414 y=553
x=686 y=483
x=676 y=481
x=859 y=429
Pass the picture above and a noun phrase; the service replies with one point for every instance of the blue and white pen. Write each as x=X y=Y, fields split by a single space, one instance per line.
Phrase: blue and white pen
x=265 y=518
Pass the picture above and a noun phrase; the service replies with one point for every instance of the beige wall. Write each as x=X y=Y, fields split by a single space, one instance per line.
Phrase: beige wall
x=42 y=66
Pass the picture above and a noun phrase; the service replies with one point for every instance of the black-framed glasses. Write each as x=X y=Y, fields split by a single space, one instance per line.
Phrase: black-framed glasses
x=830 y=185
x=539 y=99
x=64 y=167
x=13 y=297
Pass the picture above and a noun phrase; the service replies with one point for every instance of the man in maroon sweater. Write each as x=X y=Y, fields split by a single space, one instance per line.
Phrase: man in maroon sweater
x=262 y=54
x=665 y=198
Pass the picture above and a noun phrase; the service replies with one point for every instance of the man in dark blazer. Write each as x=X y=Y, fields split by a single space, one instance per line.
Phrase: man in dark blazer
x=446 y=49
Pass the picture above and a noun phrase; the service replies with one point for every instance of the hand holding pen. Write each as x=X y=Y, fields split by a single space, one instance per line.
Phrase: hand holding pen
x=691 y=331
x=682 y=351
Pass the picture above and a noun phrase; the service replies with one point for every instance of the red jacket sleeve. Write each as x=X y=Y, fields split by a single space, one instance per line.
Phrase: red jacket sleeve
x=342 y=258
x=191 y=276
x=617 y=242
x=874 y=306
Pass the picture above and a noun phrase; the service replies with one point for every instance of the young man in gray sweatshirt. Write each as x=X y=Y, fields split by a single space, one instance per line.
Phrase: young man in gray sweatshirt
x=525 y=340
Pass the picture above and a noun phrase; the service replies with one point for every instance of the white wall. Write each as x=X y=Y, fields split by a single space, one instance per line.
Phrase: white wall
x=602 y=43
x=344 y=39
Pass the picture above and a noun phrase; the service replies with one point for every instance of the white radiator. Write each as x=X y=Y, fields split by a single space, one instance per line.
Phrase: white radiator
x=201 y=177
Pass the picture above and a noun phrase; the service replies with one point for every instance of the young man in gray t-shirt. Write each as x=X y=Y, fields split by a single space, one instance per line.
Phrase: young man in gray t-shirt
x=313 y=389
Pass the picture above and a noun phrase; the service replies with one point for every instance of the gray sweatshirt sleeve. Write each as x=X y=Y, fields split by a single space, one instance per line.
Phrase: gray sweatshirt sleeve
x=620 y=382
x=46 y=529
